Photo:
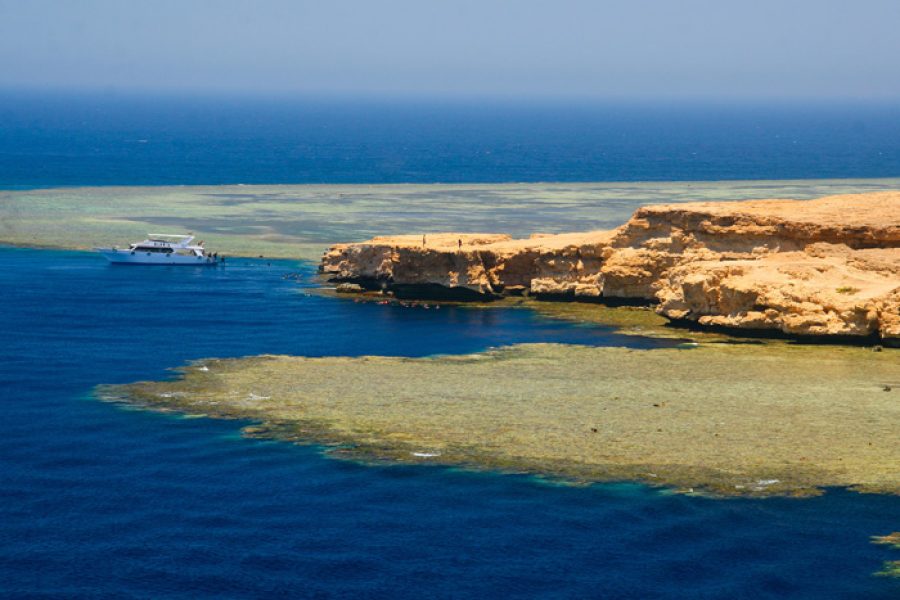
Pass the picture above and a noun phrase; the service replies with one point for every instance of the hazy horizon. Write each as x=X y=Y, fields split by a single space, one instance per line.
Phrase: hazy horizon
x=527 y=50
x=116 y=94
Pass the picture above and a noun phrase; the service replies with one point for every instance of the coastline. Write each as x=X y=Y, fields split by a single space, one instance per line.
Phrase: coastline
x=822 y=268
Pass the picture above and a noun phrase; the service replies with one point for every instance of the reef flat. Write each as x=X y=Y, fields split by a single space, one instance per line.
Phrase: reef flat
x=824 y=267
x=299 y=221
x=747 y=419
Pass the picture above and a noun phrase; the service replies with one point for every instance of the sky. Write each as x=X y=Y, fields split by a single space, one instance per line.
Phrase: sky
x=613 y=49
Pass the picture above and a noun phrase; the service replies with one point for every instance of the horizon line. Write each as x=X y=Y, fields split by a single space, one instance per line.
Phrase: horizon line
x=231 y=94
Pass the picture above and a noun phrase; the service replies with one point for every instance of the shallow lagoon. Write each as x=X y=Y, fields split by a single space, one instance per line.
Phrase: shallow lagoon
x=97 y=499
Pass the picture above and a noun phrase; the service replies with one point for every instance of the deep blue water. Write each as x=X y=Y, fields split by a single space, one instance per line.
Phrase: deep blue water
x=97 y=500
x=95 y=139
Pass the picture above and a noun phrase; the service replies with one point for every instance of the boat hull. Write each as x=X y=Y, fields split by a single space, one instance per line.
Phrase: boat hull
x=128 y=257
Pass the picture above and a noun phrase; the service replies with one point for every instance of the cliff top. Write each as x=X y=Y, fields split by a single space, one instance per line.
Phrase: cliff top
x=877 y=210
x=494 y=241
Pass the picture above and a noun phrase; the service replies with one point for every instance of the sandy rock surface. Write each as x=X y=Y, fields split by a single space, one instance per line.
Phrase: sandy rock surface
x=825 y=267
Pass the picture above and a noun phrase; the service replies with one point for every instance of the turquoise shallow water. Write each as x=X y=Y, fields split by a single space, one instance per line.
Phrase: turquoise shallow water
x=97 y=500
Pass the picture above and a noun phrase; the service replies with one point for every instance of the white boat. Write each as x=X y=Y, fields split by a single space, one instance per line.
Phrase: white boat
x=162 y=249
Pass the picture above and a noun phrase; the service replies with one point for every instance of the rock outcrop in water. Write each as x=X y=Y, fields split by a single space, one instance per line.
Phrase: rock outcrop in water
x=826 y=267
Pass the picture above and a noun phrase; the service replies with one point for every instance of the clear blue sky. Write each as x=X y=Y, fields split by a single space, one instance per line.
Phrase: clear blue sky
x=756 y=49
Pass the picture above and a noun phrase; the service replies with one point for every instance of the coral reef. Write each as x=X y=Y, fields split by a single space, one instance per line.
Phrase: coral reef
x=731 y=419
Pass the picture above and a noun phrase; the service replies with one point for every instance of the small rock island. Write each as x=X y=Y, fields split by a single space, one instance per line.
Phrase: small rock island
x=827 y=267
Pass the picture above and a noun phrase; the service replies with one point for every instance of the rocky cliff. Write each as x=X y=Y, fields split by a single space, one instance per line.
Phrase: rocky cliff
x=826 y=267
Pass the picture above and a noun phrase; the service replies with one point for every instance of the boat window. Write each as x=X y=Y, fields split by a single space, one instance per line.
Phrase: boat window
x=152 y=249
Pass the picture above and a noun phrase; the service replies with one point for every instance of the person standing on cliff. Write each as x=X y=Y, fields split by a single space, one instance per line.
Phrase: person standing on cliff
x=423 y=240
x=460 y=243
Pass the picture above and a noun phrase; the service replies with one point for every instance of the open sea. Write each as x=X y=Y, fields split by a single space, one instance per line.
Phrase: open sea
x=114 y=139
x=97 y=500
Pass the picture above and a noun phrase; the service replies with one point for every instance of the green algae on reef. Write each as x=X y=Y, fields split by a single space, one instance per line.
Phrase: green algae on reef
x=630 y=320
x=299 y=221
x=765 y=419
x=891 y=539
x=890 y=568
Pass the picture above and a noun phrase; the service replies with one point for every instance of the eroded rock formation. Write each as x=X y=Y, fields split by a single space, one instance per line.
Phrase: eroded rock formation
x=821 y=267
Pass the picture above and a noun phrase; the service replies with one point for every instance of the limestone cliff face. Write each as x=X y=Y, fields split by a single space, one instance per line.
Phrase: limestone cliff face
x=825 y=290
x=482 y=263
x=823 y=267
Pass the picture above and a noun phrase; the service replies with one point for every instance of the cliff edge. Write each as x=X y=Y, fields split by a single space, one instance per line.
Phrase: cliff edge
x=825 y=267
